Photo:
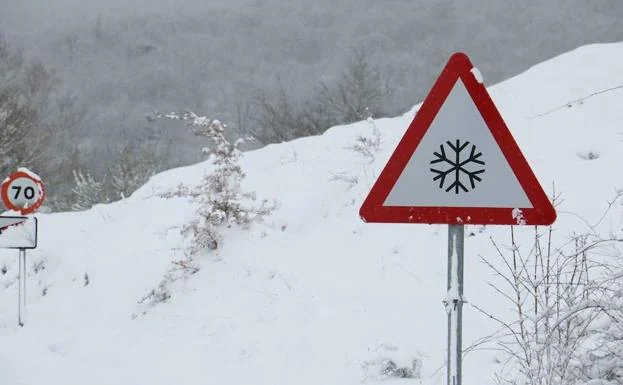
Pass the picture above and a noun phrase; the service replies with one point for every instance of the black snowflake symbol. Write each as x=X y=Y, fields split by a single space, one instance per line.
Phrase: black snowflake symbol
x=457 y=166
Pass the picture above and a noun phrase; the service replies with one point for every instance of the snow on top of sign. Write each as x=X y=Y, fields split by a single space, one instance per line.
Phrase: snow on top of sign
x=25 y=170
x=477 y=74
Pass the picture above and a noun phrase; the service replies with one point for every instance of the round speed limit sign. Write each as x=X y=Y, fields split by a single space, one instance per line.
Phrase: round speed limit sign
x=23 y=191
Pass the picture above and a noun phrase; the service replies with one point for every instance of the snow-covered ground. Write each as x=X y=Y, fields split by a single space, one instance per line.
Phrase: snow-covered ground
x=312 y=295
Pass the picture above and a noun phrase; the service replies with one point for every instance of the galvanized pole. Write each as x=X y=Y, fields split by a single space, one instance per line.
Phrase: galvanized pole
x=454 y=302
x=21 y=310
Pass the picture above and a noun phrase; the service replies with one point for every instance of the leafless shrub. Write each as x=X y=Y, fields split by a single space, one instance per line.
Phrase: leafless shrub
x=350 y=180
x=358 y=93
x=179 y=270
x=557 y=293
x=368 y=146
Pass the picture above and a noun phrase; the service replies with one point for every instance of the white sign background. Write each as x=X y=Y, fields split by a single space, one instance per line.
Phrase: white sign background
x=460 y=119
x=23 y=235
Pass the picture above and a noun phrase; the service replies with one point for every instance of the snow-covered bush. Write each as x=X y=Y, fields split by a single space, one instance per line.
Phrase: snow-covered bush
x=391 y=369
x=384 y=367
x=560 y=294
x=181 y=269
x=128 y=169
x=365 y=145
x=87 y=191
x=220 y=197
x=131 y=169
x=602 y=362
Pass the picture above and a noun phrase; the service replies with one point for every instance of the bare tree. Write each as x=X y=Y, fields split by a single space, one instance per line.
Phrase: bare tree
x=87 y=191
x=281 y=119
x=24 y=93
x=359 y=93
x=133 y=166
x=36 y=120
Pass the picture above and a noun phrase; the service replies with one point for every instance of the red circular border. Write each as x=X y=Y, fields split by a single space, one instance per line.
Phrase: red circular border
x=5 y=193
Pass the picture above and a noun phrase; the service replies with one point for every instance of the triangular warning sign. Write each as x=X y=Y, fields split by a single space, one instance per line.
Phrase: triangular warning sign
x=458 y=163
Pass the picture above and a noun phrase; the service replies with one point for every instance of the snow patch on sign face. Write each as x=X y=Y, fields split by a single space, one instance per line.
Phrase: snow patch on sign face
x=458 y=163
x=19 y=235
x=477 y=74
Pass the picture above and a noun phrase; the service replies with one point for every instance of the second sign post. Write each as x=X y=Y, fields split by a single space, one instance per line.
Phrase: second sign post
x=23 y=192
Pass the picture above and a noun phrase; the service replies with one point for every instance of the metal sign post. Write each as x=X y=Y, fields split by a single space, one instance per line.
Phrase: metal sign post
x=21 y=310
x=454 y=303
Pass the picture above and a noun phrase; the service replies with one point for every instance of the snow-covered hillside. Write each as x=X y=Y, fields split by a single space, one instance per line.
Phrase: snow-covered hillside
x=312 y=295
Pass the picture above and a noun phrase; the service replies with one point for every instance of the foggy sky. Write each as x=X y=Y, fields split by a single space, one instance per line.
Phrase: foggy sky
x=127 y=58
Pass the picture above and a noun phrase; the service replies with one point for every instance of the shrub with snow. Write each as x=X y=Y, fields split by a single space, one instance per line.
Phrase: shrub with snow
x=87 y=191
x=221 y=200
x=567 y=328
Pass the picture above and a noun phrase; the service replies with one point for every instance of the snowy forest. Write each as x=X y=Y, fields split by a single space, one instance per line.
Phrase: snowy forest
x=87 y=77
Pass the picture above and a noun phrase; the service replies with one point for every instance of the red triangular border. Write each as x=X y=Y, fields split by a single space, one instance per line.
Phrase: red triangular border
x=373 y=210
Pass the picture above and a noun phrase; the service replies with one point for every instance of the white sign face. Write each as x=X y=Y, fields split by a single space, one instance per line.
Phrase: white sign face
x=458 y=163
x=23 y=192
x=18 y=232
